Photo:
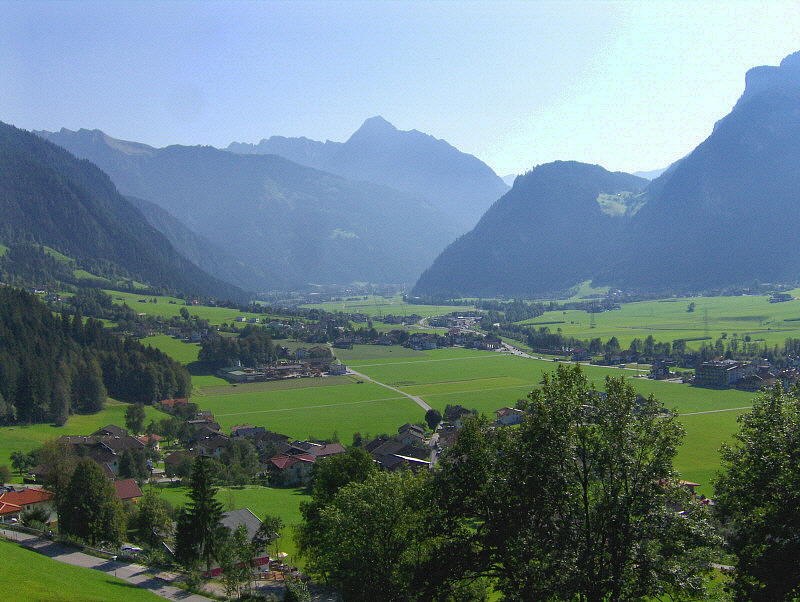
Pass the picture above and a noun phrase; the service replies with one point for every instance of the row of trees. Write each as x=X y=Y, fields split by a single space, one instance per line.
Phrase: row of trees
x=580 y=502
x=252 y=346
x=52 y=366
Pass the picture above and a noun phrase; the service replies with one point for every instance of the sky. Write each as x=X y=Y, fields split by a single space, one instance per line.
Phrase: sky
x=628 y=85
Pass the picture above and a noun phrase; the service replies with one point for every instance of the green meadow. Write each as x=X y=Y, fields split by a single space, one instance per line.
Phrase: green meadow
x=27 y=438
x=375 y=305
x=668 y=319
x=27 y=575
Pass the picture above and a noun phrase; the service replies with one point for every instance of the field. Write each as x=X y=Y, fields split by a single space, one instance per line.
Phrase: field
x=171 y=306
x=27 y=575
x=667 y=320
x=27 y=438
x=374 y=305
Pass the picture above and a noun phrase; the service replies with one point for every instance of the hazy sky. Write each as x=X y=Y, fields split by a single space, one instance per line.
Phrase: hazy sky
x=628 y=85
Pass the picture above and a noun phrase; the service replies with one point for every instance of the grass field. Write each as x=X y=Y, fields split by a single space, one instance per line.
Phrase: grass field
x=27 y=438
x=27 y=575
x=163 y=307
x=375 y=305
x=261 y=501
x=668 y=320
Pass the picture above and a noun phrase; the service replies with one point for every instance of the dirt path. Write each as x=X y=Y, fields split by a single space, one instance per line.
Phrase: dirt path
x=417 y=400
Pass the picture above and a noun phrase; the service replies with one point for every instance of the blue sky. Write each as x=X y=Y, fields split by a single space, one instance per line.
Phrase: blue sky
x=628 y=85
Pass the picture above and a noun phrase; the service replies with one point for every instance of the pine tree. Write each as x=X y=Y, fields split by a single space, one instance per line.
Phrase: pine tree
x=199 y=530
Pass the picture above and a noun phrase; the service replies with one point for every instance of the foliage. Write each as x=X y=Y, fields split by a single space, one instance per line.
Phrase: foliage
x=88 y=507
x=134 y=418
x=433 y=417
x=199 y=531
x=5 y=474
x=576 y=502
x=35 y=516
x=152 y=518
x=253 y=346
x=758 y=493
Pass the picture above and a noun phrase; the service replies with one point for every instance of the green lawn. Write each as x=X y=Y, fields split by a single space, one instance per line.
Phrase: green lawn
x=27 y=438
x=261 y=501
x=27 y=575
x=375 y=305
x=668 y=320
x=185 y=353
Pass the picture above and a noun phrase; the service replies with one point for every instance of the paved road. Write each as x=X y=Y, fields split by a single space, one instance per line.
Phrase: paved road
x=417 y=400
x=135 y=574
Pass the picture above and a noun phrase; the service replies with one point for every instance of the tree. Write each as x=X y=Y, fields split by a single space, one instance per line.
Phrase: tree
x=5 y=474
x=88 y=508
x=134 y=418
x=576 y=503
x=758 y=493
x=690 y=307
x=234 y=553
x=133 y=465
x=370 y=537
x=199 y=530
x=22 y=462
x=152 y=520
x=433 y=417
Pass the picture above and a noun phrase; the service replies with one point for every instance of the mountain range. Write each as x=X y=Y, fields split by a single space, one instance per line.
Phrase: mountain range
x=51 y=198
x=724 y=215
x=458 y=184
x=282 y=224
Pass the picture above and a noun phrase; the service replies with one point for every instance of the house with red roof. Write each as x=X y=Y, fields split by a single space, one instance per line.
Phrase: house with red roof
x=13 y=503
x=292 y=469
x=127 y=490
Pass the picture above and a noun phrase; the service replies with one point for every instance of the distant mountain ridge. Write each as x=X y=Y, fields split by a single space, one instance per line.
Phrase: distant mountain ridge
x=456 y=183
x=50 y=197
x=290 y=223
x=725 y=215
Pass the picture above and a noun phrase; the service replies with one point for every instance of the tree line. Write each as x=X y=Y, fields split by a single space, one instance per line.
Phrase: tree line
x=52 y=366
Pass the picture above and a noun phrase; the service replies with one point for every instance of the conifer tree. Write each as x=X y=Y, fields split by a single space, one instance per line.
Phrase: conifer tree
x=88 y=507
x=199 y=531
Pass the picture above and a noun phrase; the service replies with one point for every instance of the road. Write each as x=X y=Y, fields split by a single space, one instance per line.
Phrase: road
x=417 y=400
x=135 y=574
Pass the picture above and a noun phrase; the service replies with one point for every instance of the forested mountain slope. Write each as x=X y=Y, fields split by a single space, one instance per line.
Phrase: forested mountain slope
x=50 y=197
x=557 y=226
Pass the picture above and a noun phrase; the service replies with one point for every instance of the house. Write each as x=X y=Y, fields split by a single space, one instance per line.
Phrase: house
x=659 y=370
x=232 y=520
x=253 y=320
x=409 y=434
x=171 y=403
x=337 y=370
x=127 y=490
x=491 y=342
x=509 y=416
x=175 y=459
x=110 y=430
x=293 y=470
x=246 y=430
x=154 y=440
x=13 y=503
x=241 y=319
x=212 y=446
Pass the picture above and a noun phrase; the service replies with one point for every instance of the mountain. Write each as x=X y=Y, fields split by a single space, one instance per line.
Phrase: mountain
x=557 y=226
x=728 y=213
x=198 y=249
x=288 y=224
x=49 y=197
x=509 y=179
x=650 y=175
x=458 y=184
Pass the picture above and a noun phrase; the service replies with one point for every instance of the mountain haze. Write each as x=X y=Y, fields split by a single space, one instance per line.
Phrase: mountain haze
x=456 y=183
x=49 y=197
x=291 y=223
x=555 y=227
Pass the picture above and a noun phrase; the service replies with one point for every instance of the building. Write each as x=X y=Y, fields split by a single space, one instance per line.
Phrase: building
x=127 y=490
x=721 y=373
x=292 y=470
x=232 y=521
x=13 y=503
x=509 y=416
x=337 y=370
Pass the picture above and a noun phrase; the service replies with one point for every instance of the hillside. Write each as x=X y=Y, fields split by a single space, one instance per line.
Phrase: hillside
x=727 y=214
x=49 y=197
x=456 y=183
x=556 y=227
x=292 y=224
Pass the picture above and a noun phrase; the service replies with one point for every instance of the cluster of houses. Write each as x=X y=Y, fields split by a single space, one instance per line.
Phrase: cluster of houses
x=424 y=341
x=283 y=370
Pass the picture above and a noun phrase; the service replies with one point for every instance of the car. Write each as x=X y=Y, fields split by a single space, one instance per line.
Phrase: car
x=130 y=548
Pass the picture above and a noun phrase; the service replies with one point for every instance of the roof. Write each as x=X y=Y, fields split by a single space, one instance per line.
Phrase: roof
x=6 y=508
x=26 y=496
x=505 y=411
x=329 y=449
x=127 y=489
x=243 y=516
x=282 y=461
x=177 y=457
x=110 y=429
x=411 y=427
x=147 y=438
x=174 y=402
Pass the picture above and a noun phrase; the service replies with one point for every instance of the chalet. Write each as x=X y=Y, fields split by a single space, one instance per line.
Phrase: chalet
x=171 y=403
x=212 y=446
x=232 y=520
x=246 y=430
x=659 y=370
x=411 y=434
x=292 y=470
x=127 y=490
x=154 y=440
x=755 y=382
x=509 y=416
x=13 y=503
x=104 y=447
